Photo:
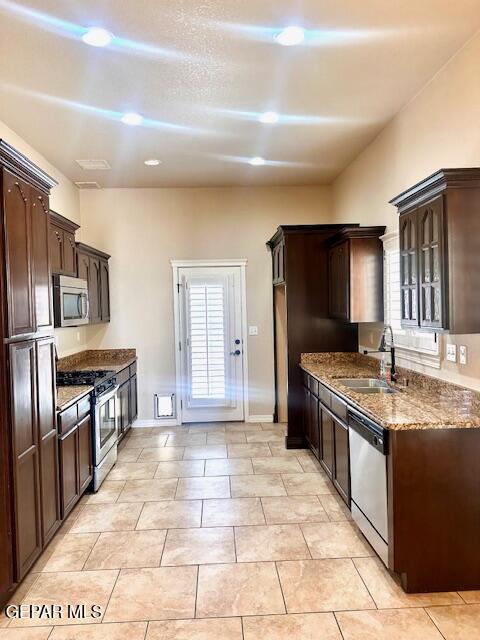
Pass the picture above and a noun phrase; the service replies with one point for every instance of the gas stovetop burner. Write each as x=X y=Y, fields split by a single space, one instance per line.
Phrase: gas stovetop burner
x=92 y=378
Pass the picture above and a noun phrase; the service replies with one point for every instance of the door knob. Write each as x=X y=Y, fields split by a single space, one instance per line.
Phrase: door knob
x=237 y=352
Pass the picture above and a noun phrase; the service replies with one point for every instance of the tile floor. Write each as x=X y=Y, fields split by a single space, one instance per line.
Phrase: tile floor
x=216 y=532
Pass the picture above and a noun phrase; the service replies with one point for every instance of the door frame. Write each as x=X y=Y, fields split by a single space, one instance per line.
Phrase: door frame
x=178 y=264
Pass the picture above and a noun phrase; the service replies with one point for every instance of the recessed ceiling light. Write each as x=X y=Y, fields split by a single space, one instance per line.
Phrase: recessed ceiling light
x=290 y=36
x=257 y=161
x=133 y=119
x=97 y=37
x=269 y=117
x=152 y=162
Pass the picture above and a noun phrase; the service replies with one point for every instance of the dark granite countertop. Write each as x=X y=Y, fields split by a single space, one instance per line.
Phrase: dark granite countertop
x=92 y=359
x=427 y=402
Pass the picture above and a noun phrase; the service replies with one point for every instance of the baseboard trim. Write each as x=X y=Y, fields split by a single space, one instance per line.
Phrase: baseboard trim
x=295 y=442
x=266 y=418
x=140 y=424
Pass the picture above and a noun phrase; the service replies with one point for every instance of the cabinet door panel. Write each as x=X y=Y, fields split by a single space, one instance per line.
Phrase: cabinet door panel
x=314 y=428
x=85 y=468
x=341 y=478
x=83 y=266
x=26 y=456
x=133 y=401
x=42 y=281
x=339 y=282
x=56 y=248
x=306 y=414
x=68 y=447
x=21 y=317
x=94 y=291
x=47 y=433
x=327 y=442
x=124 y=400
x=409 y=269
x=104 y=291
x=69 y=254
x=432 y=282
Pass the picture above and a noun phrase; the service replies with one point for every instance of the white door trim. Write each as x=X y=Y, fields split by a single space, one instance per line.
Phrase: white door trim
x=178 y=264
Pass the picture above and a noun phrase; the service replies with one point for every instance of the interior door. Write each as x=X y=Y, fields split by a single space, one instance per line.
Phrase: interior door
x=211 y=344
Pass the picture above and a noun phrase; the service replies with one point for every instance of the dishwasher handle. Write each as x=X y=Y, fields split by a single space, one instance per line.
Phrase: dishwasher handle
x=372 y=433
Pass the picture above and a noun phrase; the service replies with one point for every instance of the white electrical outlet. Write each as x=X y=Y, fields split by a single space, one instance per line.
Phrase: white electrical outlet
x=463 y=354
x=253 y=331
x=452 y=352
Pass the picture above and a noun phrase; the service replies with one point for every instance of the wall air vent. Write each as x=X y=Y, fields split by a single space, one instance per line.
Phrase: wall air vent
x=93 y=165
x=88 y=185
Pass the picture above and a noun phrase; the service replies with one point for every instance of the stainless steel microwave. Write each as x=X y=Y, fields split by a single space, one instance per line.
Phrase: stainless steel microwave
x=70 y=301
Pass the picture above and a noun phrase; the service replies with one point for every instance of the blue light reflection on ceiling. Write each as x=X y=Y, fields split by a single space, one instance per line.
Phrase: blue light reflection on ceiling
x=108 y=114
x=291 y=119
x=313 y=37
x=74 y=31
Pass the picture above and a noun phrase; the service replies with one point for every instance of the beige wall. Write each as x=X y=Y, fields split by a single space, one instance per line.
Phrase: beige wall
x=439 y=128
x=144 y=228
x=64 y=199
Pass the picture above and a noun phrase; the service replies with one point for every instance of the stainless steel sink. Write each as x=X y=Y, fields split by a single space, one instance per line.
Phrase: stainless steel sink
x=366 y=385
x=362 y=382
x=374 y=390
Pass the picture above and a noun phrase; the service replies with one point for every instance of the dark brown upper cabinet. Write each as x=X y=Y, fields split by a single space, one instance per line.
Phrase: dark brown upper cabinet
x=92 y=266
x=62 y=245
x=355 y=274
x=25 y=228
x=439 y=252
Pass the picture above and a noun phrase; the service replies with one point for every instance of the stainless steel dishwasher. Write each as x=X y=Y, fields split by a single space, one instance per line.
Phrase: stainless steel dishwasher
x=368 y=470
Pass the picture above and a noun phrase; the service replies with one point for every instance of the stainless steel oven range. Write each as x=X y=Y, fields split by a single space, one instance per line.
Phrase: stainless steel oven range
x=105 y=417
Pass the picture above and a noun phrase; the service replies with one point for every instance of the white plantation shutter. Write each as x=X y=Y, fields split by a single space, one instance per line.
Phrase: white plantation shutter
x=207 y=341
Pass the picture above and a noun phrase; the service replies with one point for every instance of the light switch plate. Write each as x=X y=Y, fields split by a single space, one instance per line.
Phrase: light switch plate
x=463 y=354
x=452 y=352
x=253 y=331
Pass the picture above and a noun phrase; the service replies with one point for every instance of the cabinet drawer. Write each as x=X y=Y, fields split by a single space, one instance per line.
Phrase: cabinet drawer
x=325 y=396
x=339 y=407
x=83 y=408
x=133 y=369
x=122 y=376
x=313 y=385
x=67 y=419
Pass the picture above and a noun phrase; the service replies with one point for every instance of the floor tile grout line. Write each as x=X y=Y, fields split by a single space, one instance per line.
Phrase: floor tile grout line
x=91 y=551
x=146 y=629
x=433 y=621
x=365 y=584
x=196 y=593
x=111 y=594
x=281 y=587
x=338 y=623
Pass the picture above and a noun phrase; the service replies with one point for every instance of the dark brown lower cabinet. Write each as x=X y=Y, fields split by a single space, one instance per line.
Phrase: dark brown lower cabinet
x=326 y=449
x=314 y=424
x=36 y=489
x=85 y=460
x=75 y=449
x=127 y=398
x=341 y=468
x=133 y=401
x=124 y=411
x=327 y=434
x=47 y=433
x=28 y=534
x=68 y=447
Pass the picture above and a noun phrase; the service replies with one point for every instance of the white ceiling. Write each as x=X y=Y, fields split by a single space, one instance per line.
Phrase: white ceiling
x=209 y=66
